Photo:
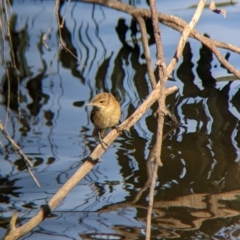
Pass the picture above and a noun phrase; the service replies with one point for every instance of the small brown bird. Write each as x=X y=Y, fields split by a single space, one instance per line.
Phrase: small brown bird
x=105 y=114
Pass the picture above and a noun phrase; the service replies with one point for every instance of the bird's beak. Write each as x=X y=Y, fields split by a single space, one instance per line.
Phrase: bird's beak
x=89 y=104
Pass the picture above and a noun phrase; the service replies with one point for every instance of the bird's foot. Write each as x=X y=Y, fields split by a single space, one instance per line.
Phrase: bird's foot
x=94 y=161
x=101 y=141
x=120 y=129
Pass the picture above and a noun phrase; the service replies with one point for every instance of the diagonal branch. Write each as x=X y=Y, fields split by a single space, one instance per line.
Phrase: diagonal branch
x=177 y=24
x=16 y=232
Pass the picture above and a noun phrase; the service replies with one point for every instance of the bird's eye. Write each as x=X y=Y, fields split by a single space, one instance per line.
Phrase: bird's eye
x=102 y=101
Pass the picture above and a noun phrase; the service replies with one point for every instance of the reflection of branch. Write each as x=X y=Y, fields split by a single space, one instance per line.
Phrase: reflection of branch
x=179 y=25
x=200 y=208
x=147 y=182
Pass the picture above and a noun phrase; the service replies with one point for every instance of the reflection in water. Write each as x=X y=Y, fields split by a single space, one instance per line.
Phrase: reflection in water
x=197 y=190
x=204 y=66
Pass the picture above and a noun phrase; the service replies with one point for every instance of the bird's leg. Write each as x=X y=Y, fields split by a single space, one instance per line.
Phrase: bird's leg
x=101 y=140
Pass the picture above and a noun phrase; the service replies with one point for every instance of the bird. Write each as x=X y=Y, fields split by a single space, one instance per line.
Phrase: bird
x=105 y=114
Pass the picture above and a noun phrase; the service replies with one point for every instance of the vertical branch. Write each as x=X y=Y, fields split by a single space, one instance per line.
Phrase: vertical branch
x=162 y=74
x=157 y=35
x=163 y=78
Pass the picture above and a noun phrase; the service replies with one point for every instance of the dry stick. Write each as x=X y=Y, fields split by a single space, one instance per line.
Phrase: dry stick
x=187 y=30
x=171 y=66
x=61 y=42
x=60 y=25
x=162 y=73
x=15 y=233
x=179 y=25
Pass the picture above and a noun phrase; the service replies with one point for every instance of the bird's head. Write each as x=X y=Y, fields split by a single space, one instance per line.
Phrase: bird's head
x=101 y=100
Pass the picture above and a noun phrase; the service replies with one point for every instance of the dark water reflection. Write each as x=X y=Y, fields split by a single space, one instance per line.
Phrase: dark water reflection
x=198 y=187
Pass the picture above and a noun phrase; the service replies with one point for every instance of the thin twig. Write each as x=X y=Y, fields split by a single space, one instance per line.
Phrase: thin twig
x=65 y=10
x=18 y=151
x=15 y=146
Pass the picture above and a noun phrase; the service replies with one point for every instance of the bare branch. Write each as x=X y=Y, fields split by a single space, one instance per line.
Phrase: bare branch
x=178 y=24
x=162 y=74
x=163 y=79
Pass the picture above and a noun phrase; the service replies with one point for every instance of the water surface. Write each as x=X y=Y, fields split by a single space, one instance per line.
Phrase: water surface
x=198 y=187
